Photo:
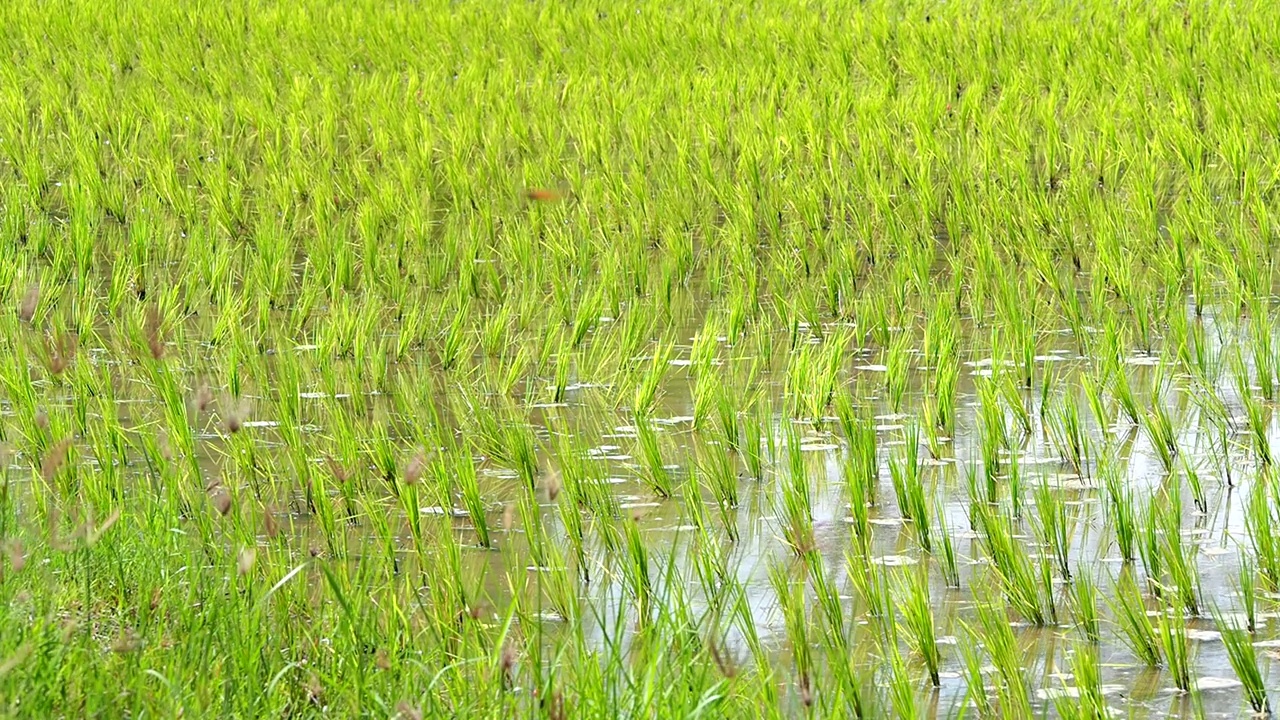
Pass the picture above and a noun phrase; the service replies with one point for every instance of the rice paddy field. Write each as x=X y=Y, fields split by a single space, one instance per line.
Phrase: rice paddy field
x=804 y=358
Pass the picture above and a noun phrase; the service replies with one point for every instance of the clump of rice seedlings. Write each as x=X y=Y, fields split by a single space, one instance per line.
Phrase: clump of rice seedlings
x=1138 y=634
x=1177 y=559
x=755 y=424
x=1019 y=579
x=902 y=690
x=1247 y=589
x=1244 y=660
x=1160 y=429
x=971 y=668
x=1261 y=524
x=862 y=461
x=469 y=486
x=908 y=485
x=897 y=362
x=917 y=619
x=869 y=582
x=997 y=637
x=947 y=562
x=646 y=391
x=1054 y=527
x=654 y=467
x=791 y=604
x=1088 y=701
x=797 y=500
x=835 y=633
x=1262 y=345
x=1120 y=510
x=1068 y=434
x=1257 y=419
x=992 y=432
x=1172 y=631
x=1084 y=605
x=1123 y=393
x=716 y=471
x=1196 y=484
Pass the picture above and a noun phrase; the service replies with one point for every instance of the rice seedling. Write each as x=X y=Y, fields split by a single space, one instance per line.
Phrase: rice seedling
x=1244 y=660
x=908 y=486
x=1088 y=701
x=1130 y=613
x=1012 y=696
x=917 y=619
x=1173 y=639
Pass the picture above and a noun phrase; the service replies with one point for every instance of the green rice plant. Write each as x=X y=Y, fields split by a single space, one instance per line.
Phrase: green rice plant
x=716 y=472
x=1088 y=701
x=646 y=391
x=997 y=636
x=862 y=464
x=902 y=691
x=897 y=363
x=947 y=562
x=1120 y=510
x=869 y=582
x=1261 y=523
x=756 y=423
x=1172 y=632
x=1247 y=589
x=1177 y=558
x=1196 y=484
x=908 y=485
x=1160 y=429
x=654 y=468
x=1257 y=420
x=791 y=605
x=917 y=619
x=797 y=501
x=836 y=637
x=469 y=486
x=971 y=669
x=1263 y=348
x=1123 y=393
x=1244 y=660
x=1054 y=526
x=1138 y=634
x=1068 y=435
x=1084 y=605
x=1019 y=580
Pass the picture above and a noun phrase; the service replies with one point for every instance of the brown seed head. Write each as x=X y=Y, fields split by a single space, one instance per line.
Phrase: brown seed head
x=416 y=466
x=221 y=501
x=270 y=525
x=204 y=398
x=246 y=559
x=153 y=326
x=30 y=301
x=54 y=460
x=61 y=353
x=17 y=555
x=545 y=195
x=408 y=712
